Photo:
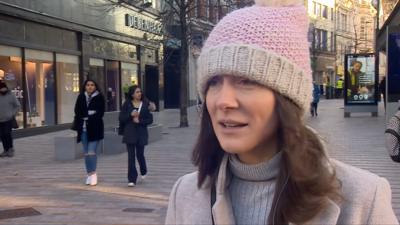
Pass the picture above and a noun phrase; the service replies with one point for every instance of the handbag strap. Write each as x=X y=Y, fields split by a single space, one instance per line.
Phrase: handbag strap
x=213 y=198
x=140 y=106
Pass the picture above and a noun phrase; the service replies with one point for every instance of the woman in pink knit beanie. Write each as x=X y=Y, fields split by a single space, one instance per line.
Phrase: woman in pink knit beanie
x=258 y=163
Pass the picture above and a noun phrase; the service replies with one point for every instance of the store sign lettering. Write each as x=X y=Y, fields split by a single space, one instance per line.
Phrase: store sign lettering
x=143 y=24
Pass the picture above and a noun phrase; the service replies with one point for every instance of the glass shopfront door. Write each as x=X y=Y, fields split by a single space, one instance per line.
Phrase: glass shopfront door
x=40 y=87
x=112 y=86
x=11 y=72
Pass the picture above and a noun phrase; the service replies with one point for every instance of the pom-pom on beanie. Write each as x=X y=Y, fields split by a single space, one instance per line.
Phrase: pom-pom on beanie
x=266 y=43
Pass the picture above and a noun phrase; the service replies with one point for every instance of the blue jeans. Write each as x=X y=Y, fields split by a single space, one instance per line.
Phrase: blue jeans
x=90 y=151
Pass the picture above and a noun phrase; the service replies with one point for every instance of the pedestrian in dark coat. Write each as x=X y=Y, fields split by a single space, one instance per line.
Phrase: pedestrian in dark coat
x=88 y=122
x=314 y=104
x=134 y=118
x=382 y=90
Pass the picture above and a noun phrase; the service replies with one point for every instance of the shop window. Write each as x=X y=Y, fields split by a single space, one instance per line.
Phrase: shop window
x=129 y=77
x=40 y=88
x=67 y=86
x=112 y=86
x=11 y=67
x=97 y=73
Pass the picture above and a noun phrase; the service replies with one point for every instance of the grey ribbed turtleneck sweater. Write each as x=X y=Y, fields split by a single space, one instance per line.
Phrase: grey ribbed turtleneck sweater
x=252 y=189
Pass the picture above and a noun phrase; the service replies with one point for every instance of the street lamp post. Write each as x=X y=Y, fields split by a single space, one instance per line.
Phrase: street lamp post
x=377 y=96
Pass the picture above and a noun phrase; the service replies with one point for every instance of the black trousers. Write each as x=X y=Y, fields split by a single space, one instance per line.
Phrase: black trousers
x=314 y=109
x=5 y=135
x=339 y=93
x=135 y=150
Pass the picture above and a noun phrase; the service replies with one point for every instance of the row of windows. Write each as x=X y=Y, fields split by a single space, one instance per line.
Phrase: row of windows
x=342 y=22
x=213 y=11
x=323 y=11
x=323 y=40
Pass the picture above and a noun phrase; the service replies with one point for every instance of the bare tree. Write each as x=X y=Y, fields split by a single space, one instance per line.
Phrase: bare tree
x=360 y=29
x=182 y=12
x=178 y=11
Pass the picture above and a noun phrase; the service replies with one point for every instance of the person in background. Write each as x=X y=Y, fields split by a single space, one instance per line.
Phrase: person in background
x=257 y=161
x=110 y=99
x=382 y=90
x=152 y=105
x=134 y=118
x=314 y=104
x=339 y=88
x=125 y=90
x=9 y=106
x=89 y=112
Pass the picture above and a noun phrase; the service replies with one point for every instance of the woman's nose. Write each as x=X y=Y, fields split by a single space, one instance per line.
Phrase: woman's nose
x=227 y=98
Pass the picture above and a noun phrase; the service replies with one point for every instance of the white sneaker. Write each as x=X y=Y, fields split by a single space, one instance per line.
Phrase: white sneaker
x=93 y=179
x=88 y=179
x=143 y=177
x=131 y=184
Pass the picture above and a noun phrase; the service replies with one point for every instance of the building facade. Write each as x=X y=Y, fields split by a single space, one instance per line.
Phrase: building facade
x=49 y=47
x=355 y=30
x=322 y=41
x=344 y=20
x=201 y=19
x=365 y=27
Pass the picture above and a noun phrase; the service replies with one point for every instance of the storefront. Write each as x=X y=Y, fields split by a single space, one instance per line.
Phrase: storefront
x=388 y=47
x=47 y=51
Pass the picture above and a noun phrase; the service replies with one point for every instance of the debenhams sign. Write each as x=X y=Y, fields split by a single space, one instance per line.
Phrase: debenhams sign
x=143 y=24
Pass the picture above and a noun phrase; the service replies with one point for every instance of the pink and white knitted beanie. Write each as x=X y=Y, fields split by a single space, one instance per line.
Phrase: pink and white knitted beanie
x=266 y=43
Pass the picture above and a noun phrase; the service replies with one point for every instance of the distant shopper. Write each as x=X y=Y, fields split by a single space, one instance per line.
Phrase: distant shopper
x=314 y=104
x=9 y=106
x=339 y=88
x=134 y=117
x=382 y=90
x=89 y=111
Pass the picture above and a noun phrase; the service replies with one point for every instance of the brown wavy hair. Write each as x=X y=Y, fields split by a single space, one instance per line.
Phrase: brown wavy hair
x=305 y=182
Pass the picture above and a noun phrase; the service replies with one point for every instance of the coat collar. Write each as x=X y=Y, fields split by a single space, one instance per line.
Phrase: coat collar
x=94 y=94
x=222 y=209
x=329 y=215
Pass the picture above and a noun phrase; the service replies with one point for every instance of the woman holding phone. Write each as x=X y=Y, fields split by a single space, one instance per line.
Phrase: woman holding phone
x=135 y=116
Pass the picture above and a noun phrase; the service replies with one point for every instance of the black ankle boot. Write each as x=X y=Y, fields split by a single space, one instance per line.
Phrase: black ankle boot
x=10 y=152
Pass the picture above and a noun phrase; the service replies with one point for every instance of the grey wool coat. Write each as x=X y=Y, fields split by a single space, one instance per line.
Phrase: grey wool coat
x=367 y=200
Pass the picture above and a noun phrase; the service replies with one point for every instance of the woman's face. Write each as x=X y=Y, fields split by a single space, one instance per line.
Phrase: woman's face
x=137 y=95
x=243 y=117
x=90 y=87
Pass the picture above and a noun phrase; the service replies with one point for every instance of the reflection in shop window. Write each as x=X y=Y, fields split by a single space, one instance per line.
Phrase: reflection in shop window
x=112 y=88
x=67 y=86
x=40 y=88
x=11 y=65
x=97 y=72
x=129 y=77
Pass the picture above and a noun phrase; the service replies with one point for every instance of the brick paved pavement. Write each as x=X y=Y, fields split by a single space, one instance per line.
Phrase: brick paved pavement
x=358 y=141
x=34 y=179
